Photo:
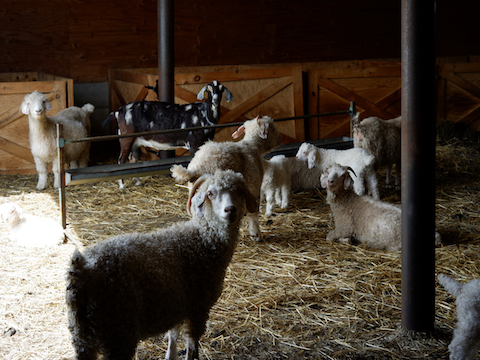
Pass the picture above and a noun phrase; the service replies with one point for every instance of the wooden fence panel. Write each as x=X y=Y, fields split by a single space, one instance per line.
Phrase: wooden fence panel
x=375 y=88
x=459 y=93
x=276 y=92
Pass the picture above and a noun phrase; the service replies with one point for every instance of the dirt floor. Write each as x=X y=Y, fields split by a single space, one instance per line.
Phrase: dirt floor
x=292 y=296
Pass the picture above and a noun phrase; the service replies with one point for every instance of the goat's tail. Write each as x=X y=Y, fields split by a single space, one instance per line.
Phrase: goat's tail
x=88 y=108
x=182 y=174
x=452 y=286
x=108 y=120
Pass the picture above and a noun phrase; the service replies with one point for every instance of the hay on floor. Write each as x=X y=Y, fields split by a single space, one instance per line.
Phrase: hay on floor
x=293 y=295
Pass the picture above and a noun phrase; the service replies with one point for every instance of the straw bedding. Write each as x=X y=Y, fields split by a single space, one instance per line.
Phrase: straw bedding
x=293 y=296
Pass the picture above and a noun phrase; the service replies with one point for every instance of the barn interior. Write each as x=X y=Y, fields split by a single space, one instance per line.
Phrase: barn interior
x=294 y=295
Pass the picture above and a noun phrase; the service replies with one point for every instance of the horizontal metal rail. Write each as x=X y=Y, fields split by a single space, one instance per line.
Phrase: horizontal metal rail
x=350 y=111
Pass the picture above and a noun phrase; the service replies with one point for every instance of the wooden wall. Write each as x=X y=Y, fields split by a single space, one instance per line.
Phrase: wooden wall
x=83 y=39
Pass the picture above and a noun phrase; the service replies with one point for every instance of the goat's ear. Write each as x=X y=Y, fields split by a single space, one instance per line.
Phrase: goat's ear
x=238 y=132
x=311 y=159
x=48 y=106
x=228 y=94
x=263 y=127
x=25 y=107
x=200 y=95
x=192 y=195
x=347 y=182
x=324 y=181
x=198 y=204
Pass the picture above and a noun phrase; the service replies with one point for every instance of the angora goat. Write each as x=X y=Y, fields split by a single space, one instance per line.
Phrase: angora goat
x=466 y=337
x=31 y=230
x=382 y=139
x=43 y=134
x=244 y=156
x=134 y=286
x=375 y=223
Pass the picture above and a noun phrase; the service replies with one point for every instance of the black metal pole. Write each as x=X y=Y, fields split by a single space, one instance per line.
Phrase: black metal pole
x=166 y=56
x=418 y=164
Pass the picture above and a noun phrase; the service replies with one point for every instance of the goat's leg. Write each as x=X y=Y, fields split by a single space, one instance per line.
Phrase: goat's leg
x=125 y=146
x=253 y=226
x=42 y=169
x=397 y=175
x=285 y=191
x=56 y=173
x=341 y=235
x=194 y=330
x=172 y=336
x=133 y=158
x=388 y=170
x=269 y=202
x=372 y=185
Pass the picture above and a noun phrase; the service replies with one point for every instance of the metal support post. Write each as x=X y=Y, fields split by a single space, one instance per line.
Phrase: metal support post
x=418 y=164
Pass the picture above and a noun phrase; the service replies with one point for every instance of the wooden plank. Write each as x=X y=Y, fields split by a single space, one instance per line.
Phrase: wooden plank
x=26 y=87
x=470 y=118
x=335 y=73
x=297 y=84
x=10 y=116
x=234 y=75
x=351 y=96
x=256 y=99
x=464 y=84
x=16 y=150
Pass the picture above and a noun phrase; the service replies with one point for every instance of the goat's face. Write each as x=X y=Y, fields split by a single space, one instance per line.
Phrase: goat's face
x=35 y=104
x=225 y=193
x=336 y=177
x=10 y=213
x=215 y=91
x=306 y=152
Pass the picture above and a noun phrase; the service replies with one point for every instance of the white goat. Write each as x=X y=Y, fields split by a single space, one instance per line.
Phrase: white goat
x=382 y=139
x=375 y=223
x=30 y=230
x=466 y=336
x=358 y=159
x=244 y=156
x=134 y=286
x=276 y=182
x=42 y=135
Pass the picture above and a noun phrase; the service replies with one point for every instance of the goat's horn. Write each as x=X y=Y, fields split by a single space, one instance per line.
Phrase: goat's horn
x=193 y=190
x=350 y=169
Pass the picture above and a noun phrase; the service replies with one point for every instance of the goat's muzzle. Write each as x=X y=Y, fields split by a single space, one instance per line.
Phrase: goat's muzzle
x=230 y=213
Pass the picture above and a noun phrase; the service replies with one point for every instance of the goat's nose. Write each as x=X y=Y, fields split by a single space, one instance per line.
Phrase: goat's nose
x=231 y=210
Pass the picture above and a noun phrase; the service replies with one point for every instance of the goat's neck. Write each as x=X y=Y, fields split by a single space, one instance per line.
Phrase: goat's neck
x=339 y=196
x=40 y=122
x=213 y=113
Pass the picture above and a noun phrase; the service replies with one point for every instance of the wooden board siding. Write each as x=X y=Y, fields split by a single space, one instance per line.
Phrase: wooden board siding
x=459 y=93
x=374 y=86
x=276 y=92
x=15 y=155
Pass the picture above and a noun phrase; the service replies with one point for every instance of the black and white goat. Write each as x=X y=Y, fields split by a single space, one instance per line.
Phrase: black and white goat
x=144 y=116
